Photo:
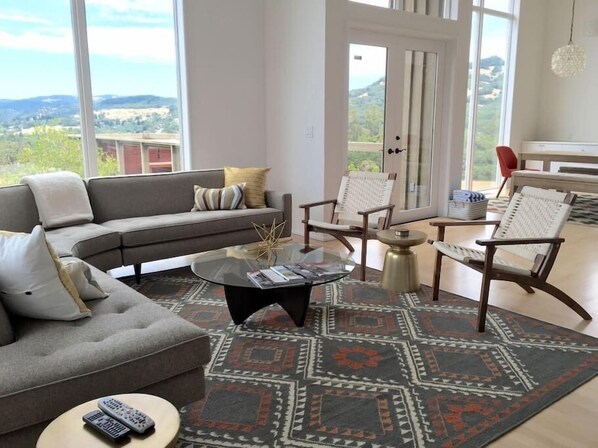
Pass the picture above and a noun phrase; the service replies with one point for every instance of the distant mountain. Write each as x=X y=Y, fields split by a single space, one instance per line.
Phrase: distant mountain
x=133 y=102
x=491 y=84
x=46 y=108
x=40 y=107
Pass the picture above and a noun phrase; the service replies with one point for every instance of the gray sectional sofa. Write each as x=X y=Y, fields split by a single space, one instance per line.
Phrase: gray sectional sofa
x=129 y=344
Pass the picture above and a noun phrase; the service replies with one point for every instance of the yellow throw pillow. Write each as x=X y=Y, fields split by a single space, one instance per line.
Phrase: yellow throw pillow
x=255 y=183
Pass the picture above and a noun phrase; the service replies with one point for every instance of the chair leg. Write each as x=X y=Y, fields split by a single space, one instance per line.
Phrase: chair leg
x=364 y=250
x=502 y=186
x=527 y=288
x=345 y=242
x=306 y=235
x=565 y=298
x=485 y=290
x=436 y=282
x=483 y=305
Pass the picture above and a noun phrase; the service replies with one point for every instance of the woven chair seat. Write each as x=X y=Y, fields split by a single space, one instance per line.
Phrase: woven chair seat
x=466 y=254
x=339 y=227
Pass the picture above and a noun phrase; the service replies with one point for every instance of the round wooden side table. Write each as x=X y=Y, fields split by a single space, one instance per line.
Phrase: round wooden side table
x=69 y=431
x=400 y=272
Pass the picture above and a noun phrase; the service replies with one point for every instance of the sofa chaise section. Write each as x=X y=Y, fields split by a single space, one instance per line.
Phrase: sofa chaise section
x=129 y=345
x=99 y=246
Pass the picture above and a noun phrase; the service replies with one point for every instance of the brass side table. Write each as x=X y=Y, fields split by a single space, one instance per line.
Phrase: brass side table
x=400 y=272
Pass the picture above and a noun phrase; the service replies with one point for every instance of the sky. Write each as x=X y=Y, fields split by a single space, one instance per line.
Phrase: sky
x=131 y=47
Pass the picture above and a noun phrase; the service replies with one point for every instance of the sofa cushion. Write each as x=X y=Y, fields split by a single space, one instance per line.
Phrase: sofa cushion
x=162 y=228
x=7 y=335
x=148 y=194
x=33 y=282
x=255 y=183
x=226 y=198
x=129 y=343
x=19 y=211
x=83 y=240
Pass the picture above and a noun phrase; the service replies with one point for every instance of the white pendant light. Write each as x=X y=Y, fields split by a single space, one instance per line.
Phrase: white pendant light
x=570 y=59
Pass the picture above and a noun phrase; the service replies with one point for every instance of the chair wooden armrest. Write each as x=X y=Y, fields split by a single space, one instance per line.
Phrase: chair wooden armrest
x=376 y=209
x=442 y=224
x=515 y=241
x=464 y=223
x=316 y=204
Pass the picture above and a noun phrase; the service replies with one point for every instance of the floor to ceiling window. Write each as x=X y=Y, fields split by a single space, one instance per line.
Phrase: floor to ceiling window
x=488 y=91
x=87 y=80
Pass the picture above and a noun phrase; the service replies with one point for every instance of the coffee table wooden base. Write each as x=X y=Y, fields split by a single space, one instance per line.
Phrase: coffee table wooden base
x=243 y=302
x=69 y=431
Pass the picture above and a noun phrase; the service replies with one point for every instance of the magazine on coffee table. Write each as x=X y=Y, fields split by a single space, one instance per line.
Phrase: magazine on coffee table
x=318 y=270
x=275 y=276
x=300 y=273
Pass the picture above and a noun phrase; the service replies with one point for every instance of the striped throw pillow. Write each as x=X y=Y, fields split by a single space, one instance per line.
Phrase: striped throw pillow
x=227 y=198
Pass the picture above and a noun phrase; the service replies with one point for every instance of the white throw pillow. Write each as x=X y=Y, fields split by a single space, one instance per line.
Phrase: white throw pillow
x=87 y=286
x=30 y=284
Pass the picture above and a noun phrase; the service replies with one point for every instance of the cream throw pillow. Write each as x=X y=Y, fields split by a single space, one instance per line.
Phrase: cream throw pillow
x=33 y=282
x=255 y=183
x=227 y=198
x=87 y=286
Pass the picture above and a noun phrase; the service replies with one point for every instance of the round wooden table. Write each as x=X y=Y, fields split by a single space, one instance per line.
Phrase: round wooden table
x=69 y=431
x=400 y=272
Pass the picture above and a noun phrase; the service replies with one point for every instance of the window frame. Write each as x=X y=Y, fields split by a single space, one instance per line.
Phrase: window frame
x=89 y=143
x=507 y=94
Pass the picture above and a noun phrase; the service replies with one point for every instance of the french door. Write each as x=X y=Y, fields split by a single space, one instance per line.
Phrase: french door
x=395 y=88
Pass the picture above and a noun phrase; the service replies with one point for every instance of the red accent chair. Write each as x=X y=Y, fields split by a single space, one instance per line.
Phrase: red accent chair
x=508 y=163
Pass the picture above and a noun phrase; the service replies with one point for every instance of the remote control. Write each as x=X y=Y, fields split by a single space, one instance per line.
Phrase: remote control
x=128 y=416
x=107 y=426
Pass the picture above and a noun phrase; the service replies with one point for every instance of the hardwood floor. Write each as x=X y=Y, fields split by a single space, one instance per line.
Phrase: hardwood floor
x=573 y=420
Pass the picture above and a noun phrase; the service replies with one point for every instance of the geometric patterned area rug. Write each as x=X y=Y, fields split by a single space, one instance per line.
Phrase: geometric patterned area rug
x=585 y=209
x=370 y=368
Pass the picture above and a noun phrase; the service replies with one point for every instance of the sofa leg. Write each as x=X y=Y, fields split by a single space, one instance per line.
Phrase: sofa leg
x=137 y=268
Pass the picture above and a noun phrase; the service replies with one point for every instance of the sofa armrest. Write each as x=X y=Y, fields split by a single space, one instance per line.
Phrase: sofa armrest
x=284 y=202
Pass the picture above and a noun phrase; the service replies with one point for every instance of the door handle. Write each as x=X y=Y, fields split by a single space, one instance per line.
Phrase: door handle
x=397 y=150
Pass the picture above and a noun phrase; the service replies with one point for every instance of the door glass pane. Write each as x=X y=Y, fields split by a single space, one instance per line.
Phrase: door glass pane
x=39 y=109
x=134 y=83
x=494 y=46
x=417 y=139
x=367 y=103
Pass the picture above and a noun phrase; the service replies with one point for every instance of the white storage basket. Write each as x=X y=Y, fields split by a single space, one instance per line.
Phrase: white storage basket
x=467 y=210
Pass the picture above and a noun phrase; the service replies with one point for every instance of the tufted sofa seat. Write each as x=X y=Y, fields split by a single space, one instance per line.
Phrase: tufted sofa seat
x=129 y=345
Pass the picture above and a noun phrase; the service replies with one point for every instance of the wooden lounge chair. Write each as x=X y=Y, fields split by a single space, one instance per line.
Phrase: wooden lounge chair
x=361 y=209
x=530 y=229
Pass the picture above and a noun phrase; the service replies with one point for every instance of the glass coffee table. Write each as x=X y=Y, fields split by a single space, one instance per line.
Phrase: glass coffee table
x=229 y=267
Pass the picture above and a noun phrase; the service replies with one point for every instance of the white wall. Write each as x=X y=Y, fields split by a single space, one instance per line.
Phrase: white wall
x=566 y=107
x=224 y=53
x=294 y=47
x=529 y=69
